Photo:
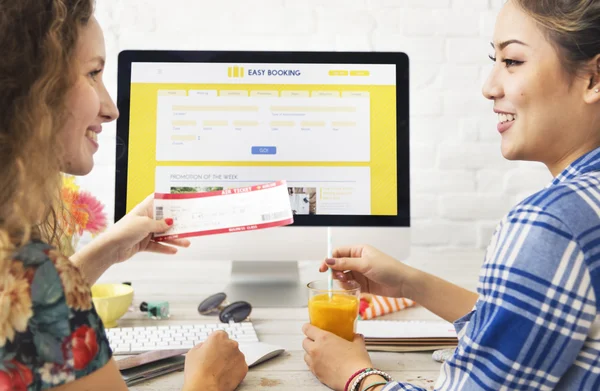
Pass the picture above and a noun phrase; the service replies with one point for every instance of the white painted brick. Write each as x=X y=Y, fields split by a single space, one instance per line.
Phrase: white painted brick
x=487 y=22
x=418 y=22
x=423 y=206
x=442 y=181
x=456 y=23
x=334 y=20
x=486 y=68
x=488 y=130
x=439 y=22
x=485 y=231
x=351 y=4
x=353 y=43
x=456 y=77
x=425 y=4
x=470 y=4
x=422 y=156
x=490 y=181
x=497 y=4
x=389 y=21
x=425 y=103
x=277 y=20
x=467 y=50
x=456 y=103
x=424 y=76
x=471 y=156
x=419 y=50
x=433 y=130
x=469 y=129
x=464 y=207
x=526 y=181
x=212 y=20
x=427 y=233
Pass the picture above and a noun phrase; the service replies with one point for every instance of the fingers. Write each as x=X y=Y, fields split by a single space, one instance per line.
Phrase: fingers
x=158 y=248
x=178 y=242
x=348 y=252
x=308 y=360
x=219 y=334
x=311 y=331
x=160 y=226
x=359 y=339
x=341 y=264
x=307 y=345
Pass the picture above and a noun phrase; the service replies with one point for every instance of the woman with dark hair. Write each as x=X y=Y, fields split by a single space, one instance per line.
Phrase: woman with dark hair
x=534 y=323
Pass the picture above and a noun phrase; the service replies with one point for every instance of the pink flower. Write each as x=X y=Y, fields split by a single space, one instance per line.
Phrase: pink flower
x=96 y=221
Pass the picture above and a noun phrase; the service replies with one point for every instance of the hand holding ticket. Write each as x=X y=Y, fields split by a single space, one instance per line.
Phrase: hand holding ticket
x=223 y=211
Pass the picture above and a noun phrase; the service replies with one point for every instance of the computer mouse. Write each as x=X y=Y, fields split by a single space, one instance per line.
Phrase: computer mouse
x=258 y=352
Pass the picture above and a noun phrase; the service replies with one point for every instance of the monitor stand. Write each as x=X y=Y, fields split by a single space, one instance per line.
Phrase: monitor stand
x=267 y=284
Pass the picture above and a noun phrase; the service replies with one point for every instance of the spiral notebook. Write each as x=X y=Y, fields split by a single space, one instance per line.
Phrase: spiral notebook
x=407 y=335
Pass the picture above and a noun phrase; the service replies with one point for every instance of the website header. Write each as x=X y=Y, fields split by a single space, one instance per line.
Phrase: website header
x=262 y=73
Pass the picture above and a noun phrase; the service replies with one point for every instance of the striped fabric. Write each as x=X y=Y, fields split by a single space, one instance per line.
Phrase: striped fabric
x=373 y=306
x=536 y=324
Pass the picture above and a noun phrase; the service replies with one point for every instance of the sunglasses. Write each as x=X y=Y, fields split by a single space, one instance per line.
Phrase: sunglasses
x=217 y=304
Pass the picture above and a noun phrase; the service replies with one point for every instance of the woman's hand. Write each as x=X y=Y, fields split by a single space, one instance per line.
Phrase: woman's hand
x=130 y=235
x=376 y=272
x=215 y=365
x=333 y=359
x=133 y=233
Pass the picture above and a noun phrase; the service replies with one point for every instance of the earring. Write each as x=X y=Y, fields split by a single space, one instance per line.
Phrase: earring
x=597 y=90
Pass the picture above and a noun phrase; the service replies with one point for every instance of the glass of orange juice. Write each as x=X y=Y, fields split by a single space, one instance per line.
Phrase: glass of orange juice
x=334 y=310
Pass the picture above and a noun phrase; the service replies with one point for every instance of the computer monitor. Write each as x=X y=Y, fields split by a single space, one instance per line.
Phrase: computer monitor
x=334 y=125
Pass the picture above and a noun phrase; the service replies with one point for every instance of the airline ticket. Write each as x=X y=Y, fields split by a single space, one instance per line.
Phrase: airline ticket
x=223 y=211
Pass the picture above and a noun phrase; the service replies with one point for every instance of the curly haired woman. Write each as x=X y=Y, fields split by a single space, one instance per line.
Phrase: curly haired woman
x=52 y=106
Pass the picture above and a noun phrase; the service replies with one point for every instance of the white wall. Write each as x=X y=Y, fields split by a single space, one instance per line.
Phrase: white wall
x=461 y=186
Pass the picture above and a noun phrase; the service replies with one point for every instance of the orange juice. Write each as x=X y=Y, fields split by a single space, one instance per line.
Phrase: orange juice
x=337 y=314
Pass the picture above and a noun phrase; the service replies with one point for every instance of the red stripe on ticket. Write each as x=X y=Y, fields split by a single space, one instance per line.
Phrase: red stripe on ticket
x=225 y=230
x=186 y=196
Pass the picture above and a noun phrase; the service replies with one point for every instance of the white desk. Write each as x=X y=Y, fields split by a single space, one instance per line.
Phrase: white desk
x=184 y=284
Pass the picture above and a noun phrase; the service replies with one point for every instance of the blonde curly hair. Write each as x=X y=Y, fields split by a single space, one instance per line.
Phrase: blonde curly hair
x=37 y=68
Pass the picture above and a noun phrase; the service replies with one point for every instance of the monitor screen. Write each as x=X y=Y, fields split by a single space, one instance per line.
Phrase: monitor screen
x=336 y=131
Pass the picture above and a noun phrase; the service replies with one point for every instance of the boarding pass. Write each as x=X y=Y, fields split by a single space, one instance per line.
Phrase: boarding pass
x=230 y=210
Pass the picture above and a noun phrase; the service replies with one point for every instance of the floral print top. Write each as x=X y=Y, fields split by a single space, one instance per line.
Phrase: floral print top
x=50 y=333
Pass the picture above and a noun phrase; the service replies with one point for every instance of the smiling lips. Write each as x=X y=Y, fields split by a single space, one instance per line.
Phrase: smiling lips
x=505 y=121
x=92 y=133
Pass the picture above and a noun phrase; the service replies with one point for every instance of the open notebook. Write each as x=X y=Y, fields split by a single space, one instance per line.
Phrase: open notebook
x=407 y=336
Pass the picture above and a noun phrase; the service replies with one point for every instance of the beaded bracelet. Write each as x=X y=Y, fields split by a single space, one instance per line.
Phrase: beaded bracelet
x=369 y=372
x=353 y=376
x=382 y=383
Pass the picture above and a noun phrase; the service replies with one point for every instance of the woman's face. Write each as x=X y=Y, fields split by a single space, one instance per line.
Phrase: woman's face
x=544 y=114
x=88 y=101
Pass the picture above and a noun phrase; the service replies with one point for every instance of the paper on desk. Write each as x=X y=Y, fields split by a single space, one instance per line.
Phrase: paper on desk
x=231 y=210
x=406 y=329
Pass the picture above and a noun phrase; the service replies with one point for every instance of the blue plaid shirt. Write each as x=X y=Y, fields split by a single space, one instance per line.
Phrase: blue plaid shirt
x=535 y=325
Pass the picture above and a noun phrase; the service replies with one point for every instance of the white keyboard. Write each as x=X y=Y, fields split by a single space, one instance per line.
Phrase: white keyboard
x=134 y=340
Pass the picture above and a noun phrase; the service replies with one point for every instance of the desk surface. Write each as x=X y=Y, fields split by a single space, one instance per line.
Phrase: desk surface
x=186 y=283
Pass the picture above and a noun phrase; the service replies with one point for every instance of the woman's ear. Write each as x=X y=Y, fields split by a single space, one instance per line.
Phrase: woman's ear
x=592 y=95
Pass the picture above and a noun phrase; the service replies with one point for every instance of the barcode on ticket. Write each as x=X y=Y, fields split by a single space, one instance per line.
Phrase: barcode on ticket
x=275 y=215
x=160 y=213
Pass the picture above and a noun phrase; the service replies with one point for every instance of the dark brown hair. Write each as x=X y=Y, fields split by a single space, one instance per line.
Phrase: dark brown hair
x=37 y=68
x=573 y=26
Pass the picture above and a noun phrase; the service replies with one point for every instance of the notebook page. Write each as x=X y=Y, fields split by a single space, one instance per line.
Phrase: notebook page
x=405 y=329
